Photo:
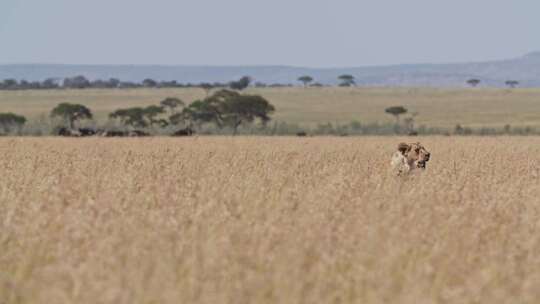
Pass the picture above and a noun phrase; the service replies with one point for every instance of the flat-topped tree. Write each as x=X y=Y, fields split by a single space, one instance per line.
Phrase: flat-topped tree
x=240 y=84
x=71 y=113
x=512 y=83
x=77 y=82
x=172 y=103
x=50 y=83
x=346 y=80
x=396 y=112
x=10 y=121
x=138 y=117
x=473 y=82
x=134 y=117
x=245 y=109
x=10 y=83
x=149 y=83
x=113 y=83
x=197 y=112
x=306 y=80
x=151 y=113
x=226 y=108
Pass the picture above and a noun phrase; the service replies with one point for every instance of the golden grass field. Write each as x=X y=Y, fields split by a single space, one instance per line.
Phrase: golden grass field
x=268 y=220
x=436 y=107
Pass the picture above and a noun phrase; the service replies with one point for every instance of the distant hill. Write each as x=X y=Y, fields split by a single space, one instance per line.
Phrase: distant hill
x=525 y=69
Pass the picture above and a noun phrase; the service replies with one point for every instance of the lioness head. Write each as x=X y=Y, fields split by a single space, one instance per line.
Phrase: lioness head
x=416 y=155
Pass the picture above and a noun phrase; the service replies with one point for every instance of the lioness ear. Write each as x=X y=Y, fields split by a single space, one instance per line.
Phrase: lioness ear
x=403 y=147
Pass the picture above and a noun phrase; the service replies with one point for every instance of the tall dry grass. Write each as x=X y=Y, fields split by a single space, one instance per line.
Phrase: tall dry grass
x=267 y=220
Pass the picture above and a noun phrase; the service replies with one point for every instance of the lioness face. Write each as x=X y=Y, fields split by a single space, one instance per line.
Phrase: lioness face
x=416 y=155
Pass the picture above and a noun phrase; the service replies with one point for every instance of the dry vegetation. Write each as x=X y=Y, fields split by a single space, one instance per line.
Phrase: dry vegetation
x=267 y=220
x=437 y=107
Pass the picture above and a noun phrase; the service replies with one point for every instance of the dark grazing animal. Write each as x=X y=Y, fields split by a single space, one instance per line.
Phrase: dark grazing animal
x=132 y=133
x=63 y=131
x=81 y=132
x=137 y=133
x=110 y=133
x=184 y=132
x=87 y=132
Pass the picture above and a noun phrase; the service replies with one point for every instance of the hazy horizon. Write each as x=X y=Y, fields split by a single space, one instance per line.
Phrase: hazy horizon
x=313 y=34
x=266 y=65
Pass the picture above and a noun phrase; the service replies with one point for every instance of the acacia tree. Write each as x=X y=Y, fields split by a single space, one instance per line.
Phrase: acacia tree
x=240 y=84
x=396 y=112
x=346 y=80
x=149 y=83
x=211 y=109
x=77 y=82
x=306 y=80
x=71 y=113
x=9 y=84
x=50 y=83
x=130 y=117
x=198 y=112
x=138 y=117
x=114 y=82
x=151 y=114
x=180 y=118
x=228 y=108
x=473 y=82
x=512 y=83
x=172 y=104
x=10 y=121
x=245 y=109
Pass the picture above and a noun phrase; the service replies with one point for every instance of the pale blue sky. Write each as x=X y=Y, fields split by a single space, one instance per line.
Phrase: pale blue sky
x=313 y=33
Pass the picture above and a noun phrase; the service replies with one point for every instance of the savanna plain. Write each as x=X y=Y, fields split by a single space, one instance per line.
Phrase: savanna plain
x=307 y=107
x=268 y=220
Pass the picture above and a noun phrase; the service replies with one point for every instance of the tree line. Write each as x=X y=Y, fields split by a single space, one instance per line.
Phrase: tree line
x=224 y=109
x=81 y=82
x=225 y=112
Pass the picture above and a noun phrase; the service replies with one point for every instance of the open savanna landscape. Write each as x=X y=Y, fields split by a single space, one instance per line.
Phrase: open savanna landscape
x=270 y=219
x=307 y=107
x=269 y=152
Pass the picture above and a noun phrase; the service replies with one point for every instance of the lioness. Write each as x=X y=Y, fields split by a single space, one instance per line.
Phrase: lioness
x=409 y=157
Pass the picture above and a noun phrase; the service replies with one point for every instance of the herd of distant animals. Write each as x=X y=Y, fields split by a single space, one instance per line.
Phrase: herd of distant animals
x=87 y=132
